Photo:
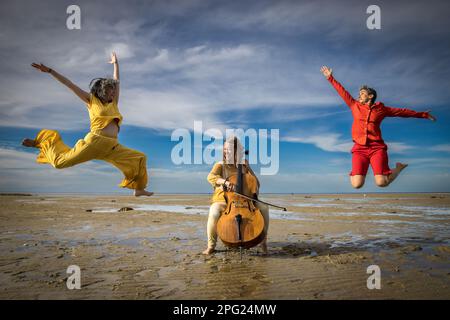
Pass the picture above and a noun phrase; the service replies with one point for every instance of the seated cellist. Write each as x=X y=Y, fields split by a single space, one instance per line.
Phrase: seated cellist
x=233 y=154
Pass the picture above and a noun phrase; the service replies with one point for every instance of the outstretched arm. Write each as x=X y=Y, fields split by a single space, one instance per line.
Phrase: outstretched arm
x=116 y=77
x=83 y=95
x=347 y=97
x=408 y=113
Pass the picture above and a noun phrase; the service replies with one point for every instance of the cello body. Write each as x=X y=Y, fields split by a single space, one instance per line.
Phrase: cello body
x=241 y=224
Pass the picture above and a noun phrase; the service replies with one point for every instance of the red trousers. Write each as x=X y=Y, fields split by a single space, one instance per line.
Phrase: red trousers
x=373 y=153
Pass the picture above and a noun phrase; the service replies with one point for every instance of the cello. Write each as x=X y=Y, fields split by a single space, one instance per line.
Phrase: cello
x=241 y=224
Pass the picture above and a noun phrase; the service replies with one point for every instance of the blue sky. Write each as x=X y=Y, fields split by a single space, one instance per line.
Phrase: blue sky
x=231 y=65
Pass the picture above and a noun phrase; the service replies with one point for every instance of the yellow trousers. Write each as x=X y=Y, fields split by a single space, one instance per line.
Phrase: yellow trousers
x=94 y=146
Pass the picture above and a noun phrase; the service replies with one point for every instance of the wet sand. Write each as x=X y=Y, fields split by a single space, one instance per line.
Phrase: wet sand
x=319 y=249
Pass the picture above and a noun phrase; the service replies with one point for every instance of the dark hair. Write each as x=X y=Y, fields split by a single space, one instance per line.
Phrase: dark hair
x=370 y=91
x=98 y=87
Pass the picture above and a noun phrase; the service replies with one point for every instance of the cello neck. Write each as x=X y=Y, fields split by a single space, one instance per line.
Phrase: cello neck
x=239 y=186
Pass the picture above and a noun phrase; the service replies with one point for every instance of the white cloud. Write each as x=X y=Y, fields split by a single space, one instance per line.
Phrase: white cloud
x=328 y=17
x=441 y=147
x=202 y=76
x=165 y=110
x=327 y=142
x=399 y=147
x=431 y=162
x=332 y=142
x=122 y=50
x=203 y=54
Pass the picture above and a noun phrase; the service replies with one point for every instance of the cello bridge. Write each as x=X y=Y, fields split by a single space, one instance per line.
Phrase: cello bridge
x=239 y=204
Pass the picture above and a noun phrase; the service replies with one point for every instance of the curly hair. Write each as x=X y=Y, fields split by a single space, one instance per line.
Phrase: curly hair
x=370 y=91
x=98 y=87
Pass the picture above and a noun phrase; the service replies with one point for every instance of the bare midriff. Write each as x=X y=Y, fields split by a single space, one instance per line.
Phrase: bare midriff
x=112 y=129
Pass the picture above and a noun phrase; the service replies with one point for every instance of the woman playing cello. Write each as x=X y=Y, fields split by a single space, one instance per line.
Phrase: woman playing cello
x=233 y=154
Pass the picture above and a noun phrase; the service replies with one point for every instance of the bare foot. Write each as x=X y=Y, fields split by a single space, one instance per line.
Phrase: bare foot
x=400 y=166
x=28 y=143
x=208 y=251
x=143 y=192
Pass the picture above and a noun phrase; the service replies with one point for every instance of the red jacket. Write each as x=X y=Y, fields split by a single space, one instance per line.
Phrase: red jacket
x=367 y=120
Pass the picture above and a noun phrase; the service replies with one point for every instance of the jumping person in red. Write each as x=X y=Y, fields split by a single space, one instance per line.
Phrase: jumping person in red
x=369 y=146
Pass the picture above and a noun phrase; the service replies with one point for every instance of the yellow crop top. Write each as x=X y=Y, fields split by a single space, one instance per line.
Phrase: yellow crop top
x=102 y=114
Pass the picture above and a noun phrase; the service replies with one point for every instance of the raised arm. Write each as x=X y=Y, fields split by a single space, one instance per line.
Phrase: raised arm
x=116 y=77
x=83 y=95
x=347 y=97
x=408 y=113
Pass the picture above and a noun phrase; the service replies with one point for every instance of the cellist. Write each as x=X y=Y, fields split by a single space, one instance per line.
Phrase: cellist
x=233 y=154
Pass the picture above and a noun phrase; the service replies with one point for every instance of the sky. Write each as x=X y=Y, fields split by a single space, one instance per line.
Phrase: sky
x=232 y=65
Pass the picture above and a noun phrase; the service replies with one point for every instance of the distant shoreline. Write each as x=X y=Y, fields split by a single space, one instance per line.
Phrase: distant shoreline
x=193 y=194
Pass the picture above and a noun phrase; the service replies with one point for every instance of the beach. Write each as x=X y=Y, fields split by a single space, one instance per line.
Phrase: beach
x=150 y=248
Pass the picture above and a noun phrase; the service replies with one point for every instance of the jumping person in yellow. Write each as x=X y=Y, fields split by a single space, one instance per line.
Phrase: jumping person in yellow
x=101 y=142
x=217 y=178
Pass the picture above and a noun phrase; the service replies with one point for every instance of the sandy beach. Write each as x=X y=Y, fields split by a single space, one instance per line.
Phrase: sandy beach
x=319 y=249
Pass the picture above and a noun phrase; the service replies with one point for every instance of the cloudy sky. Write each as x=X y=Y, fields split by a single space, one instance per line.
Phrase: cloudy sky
x=229 y=64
